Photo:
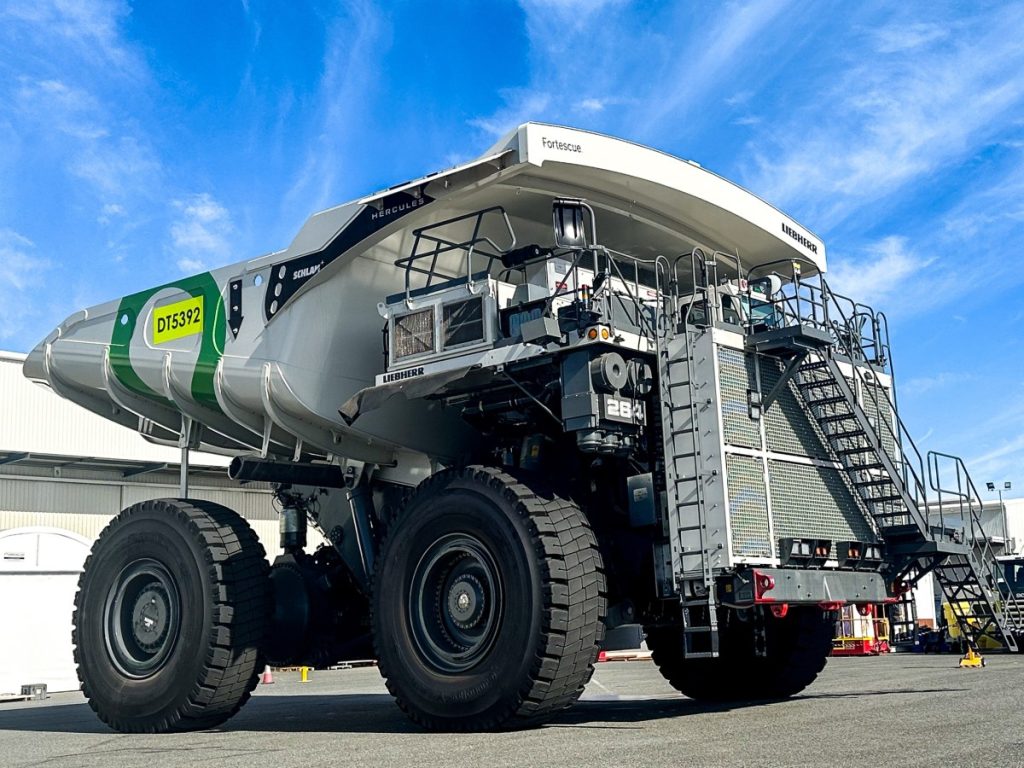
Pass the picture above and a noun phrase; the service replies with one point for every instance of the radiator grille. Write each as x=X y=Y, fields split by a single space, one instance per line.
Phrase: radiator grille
x=748 y=507
x=788 y=426
x=885 y=433
x=414 y=333
x=736 y=374
x=814 y=501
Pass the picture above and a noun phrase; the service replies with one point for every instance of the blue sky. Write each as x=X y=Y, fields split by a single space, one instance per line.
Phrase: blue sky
x=140 y=142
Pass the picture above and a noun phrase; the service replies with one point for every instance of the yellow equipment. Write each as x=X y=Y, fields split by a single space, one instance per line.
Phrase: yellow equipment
x=972 y=660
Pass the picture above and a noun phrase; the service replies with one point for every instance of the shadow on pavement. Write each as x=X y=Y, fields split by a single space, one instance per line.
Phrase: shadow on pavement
x=378 y=713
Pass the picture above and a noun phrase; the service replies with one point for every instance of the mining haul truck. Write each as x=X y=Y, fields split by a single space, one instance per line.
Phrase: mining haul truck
x=574 y=385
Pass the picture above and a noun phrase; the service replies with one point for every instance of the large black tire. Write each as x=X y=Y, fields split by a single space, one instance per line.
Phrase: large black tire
x=797 y=649
x=488 y=602
x=169 y=617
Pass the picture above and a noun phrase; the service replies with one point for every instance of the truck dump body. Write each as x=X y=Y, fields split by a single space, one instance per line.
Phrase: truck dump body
x=285 y=339
x=573 y=386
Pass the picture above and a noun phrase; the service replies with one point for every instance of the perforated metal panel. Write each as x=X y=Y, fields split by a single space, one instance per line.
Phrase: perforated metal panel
x=883 y=421
x=812 y=501
x=788 y=426
x=736 y=377
x=748 y=507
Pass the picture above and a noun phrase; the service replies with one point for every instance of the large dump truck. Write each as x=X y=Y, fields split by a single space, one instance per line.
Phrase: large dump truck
x=574 y=385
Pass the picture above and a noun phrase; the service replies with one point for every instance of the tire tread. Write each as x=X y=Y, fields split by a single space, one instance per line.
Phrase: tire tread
x=238 y=570
x=572 y=572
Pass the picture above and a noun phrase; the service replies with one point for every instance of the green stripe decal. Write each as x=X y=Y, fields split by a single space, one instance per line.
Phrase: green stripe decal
x=210 y=349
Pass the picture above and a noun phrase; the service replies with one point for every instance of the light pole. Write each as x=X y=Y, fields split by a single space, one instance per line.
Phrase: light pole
x=1007 y=485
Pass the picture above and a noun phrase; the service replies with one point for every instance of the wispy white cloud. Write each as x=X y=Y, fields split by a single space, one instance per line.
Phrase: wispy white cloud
x=21 y=272
x=709 y=59
x=75 y=82
x=353 y=43
x=916 y=103
x=657 y=84
x=520 y=105
x=201 y=235
x=922 y=384
x=908 y=36
x=1002 y=440
x=879 y=273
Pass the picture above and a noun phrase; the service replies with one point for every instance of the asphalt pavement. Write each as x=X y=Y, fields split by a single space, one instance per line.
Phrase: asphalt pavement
x=899 y=710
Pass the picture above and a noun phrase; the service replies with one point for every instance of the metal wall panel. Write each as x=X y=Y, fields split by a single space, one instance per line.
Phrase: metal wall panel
x=812 y=501
x=41 y=496
x=748 y=506
x=737 y=376
x=788 y=425
x=90 y=527
x=251 y=506
x=85 y=525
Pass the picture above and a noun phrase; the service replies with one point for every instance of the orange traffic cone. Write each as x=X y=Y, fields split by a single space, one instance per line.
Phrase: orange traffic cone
x=268 y=676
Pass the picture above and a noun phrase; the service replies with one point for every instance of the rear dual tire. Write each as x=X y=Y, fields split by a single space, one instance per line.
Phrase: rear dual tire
x=797 y=648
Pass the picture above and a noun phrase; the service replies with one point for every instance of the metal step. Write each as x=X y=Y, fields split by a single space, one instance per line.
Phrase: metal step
x=850 y=433
x=864 y=467
x=855 y=450
x=826 y=400
x=814 y=366
x=836 y=417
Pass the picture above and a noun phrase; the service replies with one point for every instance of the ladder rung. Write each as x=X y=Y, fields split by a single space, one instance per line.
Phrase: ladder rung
x=865 y=467
x=874 y=481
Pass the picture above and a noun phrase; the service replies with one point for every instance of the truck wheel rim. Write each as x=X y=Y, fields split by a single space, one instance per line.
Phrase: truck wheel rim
x=455 y=603
x=142 y=618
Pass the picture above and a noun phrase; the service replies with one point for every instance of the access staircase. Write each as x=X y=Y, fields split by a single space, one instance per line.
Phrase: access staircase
x=926 y=529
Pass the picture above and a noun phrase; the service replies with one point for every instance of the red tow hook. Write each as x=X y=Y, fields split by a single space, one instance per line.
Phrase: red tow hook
x=763 y=582
x=780 y=610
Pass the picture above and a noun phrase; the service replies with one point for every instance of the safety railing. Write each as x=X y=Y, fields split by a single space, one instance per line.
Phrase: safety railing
x=430 y=247
x=616 y=278
x=862 y=335
x=959 y=503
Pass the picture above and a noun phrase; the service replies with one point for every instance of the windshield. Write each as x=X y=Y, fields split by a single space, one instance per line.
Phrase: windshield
x=760 y=312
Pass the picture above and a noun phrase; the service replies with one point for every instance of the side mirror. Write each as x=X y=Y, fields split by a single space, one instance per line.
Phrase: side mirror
x=567 y=216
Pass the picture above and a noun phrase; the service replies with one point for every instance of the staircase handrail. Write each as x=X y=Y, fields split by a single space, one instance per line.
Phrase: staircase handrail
x=968 y=498
x=897 y=429
x=966 y=491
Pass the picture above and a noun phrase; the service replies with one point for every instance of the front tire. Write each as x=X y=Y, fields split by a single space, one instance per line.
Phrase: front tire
x=170 y=613
x=488 y=602
x=797 y=648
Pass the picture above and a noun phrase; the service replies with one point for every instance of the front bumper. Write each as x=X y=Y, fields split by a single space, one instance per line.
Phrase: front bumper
x=797 y=586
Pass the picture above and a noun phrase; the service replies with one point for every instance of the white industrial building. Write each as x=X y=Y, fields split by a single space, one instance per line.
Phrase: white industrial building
x=64 y=473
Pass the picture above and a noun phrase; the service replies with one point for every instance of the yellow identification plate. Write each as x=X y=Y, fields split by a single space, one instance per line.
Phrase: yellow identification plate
x=174 y=321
